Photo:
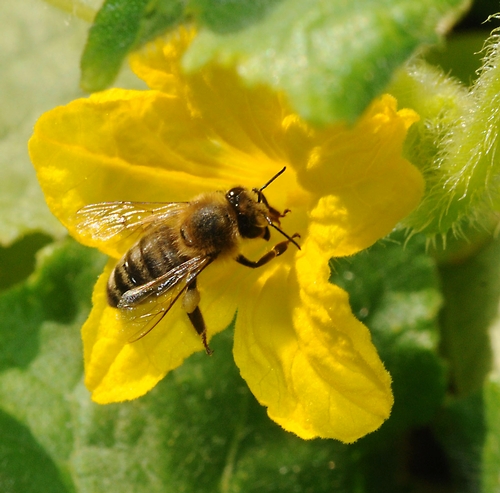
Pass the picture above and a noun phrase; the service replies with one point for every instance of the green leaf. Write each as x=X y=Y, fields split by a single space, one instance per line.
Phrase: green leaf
x=490 y=460
x=200 y=429
x=461 y=428
x=454 y=144
x=41 y=360
x=17 y=261
x=24 y=466
x=229 y=16
x=119 y=27
x=331 y=58
x=472 y=292
x=39 y=67
x=469 y=429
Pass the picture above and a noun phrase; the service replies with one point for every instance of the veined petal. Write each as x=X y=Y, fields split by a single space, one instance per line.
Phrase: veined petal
x=306 y=357
x=248 y=120
x=364 y=185
x=117 y=369
x=158 y=63
x=264 y=339
x=340 y=349
x=134 y=146
x=119 y=145
x=302 y=352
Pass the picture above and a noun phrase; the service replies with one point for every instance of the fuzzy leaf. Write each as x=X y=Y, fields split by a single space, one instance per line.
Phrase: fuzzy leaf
x=39 y=67
x=24 y=466
x=468 y=429
x=41 y=362
x=472 y=292
x=490 y=460
x=200 y=429
x=455 y=143
x=331 y=58
x=120 y=26
x=223 y=16
x=17 y=261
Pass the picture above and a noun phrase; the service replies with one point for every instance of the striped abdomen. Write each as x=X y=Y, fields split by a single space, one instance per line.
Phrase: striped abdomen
x=152 y=256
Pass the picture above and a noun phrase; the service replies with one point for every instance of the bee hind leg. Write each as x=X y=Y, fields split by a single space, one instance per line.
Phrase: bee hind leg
x=199 y=325
x=190 y=304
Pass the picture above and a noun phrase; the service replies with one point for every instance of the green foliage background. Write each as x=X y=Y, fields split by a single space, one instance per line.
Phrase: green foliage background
x=433 y=312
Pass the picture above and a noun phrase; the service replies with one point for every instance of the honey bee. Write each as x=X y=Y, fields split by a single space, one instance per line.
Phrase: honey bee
x=175 y=243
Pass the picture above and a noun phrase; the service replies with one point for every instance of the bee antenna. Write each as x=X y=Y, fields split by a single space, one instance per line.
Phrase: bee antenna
x=289 y=238
x=271 y=180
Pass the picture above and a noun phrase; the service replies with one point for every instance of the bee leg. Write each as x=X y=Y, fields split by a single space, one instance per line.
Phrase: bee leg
x=199 y=324
x=274 y=214
x=275 y=251
x=190 y=304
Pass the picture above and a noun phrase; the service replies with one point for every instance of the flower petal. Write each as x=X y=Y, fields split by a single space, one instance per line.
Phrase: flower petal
x=158 y=63
x=302 y=352
x=118 y=145
x=118 y=370
x=306 y=357
x=340 y=349
x=135 y=145
x=129 y=145
x=249 y=120
x=364 y=185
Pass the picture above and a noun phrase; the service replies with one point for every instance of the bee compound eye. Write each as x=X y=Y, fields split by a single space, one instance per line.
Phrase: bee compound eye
x=233 y=196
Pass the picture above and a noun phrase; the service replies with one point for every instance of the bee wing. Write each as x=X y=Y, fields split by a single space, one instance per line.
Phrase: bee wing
x=181 y=275
x=123 y=221
x=145 y=306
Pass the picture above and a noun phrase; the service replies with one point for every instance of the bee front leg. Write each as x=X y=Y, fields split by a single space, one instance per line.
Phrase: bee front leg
x=274 y=214
x=275 y=251
x=190 y=304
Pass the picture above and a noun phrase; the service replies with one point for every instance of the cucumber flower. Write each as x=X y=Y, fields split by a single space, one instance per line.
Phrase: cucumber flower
x=297 y=344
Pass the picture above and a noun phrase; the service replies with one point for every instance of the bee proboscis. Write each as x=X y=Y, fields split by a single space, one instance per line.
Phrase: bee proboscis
x=175 y=242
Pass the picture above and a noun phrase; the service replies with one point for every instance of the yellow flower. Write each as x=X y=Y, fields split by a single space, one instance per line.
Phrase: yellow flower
x=297 y=344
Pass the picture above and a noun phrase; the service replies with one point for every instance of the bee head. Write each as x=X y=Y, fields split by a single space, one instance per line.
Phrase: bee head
x=254 y=214
x=251 y=214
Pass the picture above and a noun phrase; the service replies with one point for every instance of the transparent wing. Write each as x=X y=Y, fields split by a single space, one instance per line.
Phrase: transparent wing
x=143 y=308
x=123 y=221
